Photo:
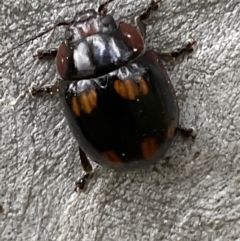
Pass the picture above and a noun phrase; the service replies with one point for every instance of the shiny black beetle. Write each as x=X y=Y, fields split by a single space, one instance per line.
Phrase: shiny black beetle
x=117 y=97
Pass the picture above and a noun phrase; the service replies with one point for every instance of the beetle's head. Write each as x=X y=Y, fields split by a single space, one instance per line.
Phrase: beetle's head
x=87 y=23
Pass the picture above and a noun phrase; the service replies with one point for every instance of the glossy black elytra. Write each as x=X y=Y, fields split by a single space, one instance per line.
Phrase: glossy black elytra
x=119 y=102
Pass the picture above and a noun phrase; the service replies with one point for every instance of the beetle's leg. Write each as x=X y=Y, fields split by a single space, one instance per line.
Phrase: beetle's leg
x=50 y=89
x=153 y=6
x=45 y=53
x=187 y=132
x=87 y=167
x=172 y=56
x=102 y=9
x=35 y=90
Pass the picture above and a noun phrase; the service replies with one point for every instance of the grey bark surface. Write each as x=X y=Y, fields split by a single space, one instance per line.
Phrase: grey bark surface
x=193 y=198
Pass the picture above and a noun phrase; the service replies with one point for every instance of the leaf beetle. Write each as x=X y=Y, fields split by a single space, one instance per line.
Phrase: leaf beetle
x=116 y=95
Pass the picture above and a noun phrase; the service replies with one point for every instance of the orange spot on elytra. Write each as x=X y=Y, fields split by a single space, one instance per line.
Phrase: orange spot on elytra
x=131 y=89
x=119 y=87
x=128 y=89
x=92 y=96
x=113 y=158
x=92 y=99
x=85 y=101
x=143 y=86
x=149 y=147
x=75 y=106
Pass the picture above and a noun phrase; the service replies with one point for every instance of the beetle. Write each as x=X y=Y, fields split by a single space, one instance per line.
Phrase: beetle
x=116 y=95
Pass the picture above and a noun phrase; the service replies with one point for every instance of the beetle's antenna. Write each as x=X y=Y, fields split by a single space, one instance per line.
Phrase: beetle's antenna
x=37 y=36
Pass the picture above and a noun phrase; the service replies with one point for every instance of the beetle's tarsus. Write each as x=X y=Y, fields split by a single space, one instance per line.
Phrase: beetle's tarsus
x=140 y=20
x=36 y=90
x=190 y=45
x=187 y=47
x=45 y=53
x=102 y=9
x=187 y=132
x=153 y=6
x=81 y=184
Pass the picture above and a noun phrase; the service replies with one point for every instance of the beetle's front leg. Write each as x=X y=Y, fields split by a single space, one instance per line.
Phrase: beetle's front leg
x=103 y=7
x=139 y=20
x=49 y=89
x=45 y=53
x=87 y=167
x=171 y=56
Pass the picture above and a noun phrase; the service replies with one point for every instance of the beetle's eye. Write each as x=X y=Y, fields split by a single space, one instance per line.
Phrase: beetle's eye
x=62 y=61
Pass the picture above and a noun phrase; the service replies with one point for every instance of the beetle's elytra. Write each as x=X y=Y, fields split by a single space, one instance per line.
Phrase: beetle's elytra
x=119 y=102
x=122 y=119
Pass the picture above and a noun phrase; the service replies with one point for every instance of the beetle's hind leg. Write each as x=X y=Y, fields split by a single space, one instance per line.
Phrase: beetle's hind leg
x=171 y=56
x=87 y=167
x=153 y=6
x=45 y=53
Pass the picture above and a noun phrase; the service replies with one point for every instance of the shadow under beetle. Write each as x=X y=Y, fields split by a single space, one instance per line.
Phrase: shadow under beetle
x=118 y=100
